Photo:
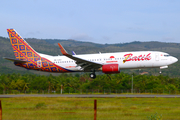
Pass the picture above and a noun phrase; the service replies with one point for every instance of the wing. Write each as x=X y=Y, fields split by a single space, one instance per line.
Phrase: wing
x=15 y=60
x=85 y=64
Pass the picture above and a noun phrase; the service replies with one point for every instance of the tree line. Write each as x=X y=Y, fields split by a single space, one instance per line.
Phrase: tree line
x=70 y=82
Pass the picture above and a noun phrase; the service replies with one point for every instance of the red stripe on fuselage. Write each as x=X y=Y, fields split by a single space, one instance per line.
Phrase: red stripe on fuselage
x=111 y=61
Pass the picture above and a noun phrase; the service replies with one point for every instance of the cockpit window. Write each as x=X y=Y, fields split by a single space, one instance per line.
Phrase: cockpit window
x=166 y=55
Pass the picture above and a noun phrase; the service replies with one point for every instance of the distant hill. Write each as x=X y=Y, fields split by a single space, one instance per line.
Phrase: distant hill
x=50 y=46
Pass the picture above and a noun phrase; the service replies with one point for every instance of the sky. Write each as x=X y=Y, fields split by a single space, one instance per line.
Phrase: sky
x=98 y=21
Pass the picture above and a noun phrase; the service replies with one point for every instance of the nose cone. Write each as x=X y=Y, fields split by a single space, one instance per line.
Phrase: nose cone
x=174 y=59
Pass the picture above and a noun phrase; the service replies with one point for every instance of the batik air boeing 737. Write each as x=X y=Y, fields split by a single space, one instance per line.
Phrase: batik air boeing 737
x=108 y=63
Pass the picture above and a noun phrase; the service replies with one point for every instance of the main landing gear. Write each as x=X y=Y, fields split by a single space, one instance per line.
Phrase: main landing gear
x=92 y=75
x=160 y=71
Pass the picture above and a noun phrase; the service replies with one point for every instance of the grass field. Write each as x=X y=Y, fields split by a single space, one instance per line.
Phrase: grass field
x=30 y=108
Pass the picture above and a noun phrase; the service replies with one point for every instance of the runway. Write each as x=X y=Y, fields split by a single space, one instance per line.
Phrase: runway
x=93 y=96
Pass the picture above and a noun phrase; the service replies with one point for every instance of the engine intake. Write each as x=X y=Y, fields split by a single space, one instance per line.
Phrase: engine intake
x=110 y=68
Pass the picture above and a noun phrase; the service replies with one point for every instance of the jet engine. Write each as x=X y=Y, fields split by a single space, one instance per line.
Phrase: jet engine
x=110 y=68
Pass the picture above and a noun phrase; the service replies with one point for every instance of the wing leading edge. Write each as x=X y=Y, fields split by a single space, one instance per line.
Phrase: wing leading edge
x=84 y=64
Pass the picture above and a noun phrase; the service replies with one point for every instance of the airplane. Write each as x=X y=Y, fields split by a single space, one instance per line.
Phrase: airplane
x=108 y=63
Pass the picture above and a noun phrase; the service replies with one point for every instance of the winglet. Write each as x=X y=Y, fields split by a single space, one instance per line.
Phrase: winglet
x=73 y=53
x=63 y=51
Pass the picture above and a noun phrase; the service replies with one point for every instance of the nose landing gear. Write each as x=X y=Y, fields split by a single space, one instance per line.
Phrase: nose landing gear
x=163 y=67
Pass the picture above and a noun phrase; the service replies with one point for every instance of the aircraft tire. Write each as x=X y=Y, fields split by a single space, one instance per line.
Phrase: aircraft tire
x=92 y=75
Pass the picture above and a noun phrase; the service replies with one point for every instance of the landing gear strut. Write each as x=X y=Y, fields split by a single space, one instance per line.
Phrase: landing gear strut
x=160 y=71
x=92 y=75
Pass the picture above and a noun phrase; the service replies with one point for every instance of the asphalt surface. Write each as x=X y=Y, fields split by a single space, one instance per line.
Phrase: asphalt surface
x=93 y=96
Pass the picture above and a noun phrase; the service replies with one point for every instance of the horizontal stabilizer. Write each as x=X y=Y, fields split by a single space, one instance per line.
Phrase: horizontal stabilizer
x=15 y=60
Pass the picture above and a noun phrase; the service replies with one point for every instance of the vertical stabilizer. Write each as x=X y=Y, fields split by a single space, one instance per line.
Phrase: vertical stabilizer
x=22 y=50
x=27 y=57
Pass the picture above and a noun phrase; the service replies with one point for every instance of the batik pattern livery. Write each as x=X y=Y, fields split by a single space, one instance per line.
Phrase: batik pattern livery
x=23 y=51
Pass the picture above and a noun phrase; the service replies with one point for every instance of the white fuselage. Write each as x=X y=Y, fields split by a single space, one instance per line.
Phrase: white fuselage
x=134 y=60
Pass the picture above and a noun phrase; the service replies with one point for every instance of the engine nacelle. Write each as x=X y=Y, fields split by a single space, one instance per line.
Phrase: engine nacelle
x=110 y=68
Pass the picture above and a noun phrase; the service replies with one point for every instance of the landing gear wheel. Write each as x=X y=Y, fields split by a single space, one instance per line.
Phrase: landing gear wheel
x=92 y=75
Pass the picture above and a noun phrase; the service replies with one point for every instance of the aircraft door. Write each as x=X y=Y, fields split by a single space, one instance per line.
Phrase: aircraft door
x=39 y=63
x=157 y=56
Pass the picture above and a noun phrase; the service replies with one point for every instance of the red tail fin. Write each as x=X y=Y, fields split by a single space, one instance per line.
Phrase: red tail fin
x=23 y=51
